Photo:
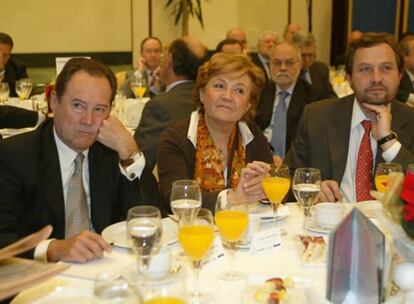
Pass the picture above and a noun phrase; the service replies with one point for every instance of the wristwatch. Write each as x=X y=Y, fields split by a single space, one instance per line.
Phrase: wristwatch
x=132 y=159
x=387 y=138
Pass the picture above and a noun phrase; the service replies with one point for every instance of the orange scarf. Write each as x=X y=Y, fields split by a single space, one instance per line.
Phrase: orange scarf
x=209 y=169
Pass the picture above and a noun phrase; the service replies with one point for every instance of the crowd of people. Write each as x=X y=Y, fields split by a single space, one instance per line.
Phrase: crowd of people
x=222 y=118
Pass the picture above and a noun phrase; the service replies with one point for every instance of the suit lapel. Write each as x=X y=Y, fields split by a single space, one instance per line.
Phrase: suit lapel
x=338 y=136
x=265 y=106
x=50 y=176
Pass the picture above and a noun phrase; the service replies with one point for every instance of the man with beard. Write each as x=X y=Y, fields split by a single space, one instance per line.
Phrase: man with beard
x=283 y=100
x=346 y=138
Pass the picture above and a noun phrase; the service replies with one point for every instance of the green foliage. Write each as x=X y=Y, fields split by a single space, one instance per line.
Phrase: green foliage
x=193 y=7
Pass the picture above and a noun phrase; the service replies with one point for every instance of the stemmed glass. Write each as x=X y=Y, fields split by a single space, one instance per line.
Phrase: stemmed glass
x=144 y=229
x=137 y=85
x=306 y=188
x=231 y=219
x=23 y=88
x=382 y=174
x=185 y=199
x=196 y=236
x=4 y=92
x=276 y=186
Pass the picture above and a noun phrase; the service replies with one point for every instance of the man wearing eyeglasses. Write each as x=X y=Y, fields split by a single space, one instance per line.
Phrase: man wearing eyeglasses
x=282 y=100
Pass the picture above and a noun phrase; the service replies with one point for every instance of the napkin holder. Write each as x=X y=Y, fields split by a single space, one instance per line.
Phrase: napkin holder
x=356 y=261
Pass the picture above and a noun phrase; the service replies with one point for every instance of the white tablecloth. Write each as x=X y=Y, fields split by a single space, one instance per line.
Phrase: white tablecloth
x=279 y=262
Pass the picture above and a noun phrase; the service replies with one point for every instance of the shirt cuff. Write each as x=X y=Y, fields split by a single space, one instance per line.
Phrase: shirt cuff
x=135 y=169
x=40 y=253
x=391 y=152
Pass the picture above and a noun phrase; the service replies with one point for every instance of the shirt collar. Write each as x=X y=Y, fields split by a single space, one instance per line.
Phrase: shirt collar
x=247 y=135
x=66 y=154
x=176 y=83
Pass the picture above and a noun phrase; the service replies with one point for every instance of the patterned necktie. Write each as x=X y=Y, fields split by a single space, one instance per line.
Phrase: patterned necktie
x=363 y=176
x=77 y=215
x=278 y=140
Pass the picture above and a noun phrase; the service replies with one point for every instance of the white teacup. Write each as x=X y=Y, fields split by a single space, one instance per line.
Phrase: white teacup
x=160 y=263
x=328 y=215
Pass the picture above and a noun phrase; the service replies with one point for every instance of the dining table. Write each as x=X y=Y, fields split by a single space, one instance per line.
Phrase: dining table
x=76 y=284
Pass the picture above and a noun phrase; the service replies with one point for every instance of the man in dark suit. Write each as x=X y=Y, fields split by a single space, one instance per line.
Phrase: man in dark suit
x=14 y=70
x=406 y=90
x=265 y=43
x=316 y=73
x=44 y=180
x=345 y=138
x=178 y=72
x=285 y=64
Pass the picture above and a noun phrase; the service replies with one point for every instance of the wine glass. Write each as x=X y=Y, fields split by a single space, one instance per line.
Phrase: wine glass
x=185 y=199
x=138 y=85
x=306 y=188
x=144 y=229
x=382 y=173
x=23 y=88
x=196 y=237
x=114 y=289
x=4 y=92
x=231 y=219
x=276 y=186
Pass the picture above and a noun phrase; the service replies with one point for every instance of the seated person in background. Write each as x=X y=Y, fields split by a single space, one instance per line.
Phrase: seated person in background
x=218 y=146
x=230 y=46
x=316 y=73
x=151 y=50
x=178 y=72
x=265 y=43
x=290 y=29
x=238 y=34
x=78 y=172
x=406 y=90
x=13 y=70
x=347 y=137
x=282 y=100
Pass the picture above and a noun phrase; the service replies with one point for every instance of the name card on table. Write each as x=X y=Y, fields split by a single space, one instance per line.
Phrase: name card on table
x=357 y=259
x=216 y=252
x=265 y=240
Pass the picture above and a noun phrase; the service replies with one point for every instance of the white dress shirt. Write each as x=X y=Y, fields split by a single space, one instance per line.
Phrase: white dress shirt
x=356 y=133
x=269 y=130
x=67 y=167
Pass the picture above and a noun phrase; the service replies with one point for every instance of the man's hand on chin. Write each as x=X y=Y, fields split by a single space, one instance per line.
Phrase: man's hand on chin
x=81 y=248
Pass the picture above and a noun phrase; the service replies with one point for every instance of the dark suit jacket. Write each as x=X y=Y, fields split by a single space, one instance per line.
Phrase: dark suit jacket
x=258 y=62
x=323 y=137
x=176 y=158
x=405 y=89
x=13 y=117
x=14 y=71
x=322 y=87
x=160 y=112
x=302 y=95
x=31 y=191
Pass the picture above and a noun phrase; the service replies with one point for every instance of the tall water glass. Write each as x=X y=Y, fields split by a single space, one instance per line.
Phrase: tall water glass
x=306 y=188
x=185 y=199
x=144 y=228
x=231 y=219
x=4 y=92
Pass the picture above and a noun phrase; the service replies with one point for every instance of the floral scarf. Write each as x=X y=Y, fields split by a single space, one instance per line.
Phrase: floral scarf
x=209 y=169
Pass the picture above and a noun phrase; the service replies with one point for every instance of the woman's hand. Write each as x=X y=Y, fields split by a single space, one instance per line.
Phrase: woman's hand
x=250 y=188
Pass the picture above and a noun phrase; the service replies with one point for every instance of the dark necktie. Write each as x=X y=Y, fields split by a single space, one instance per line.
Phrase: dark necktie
x=76 y=213
x=278 y=140
x=363 y=175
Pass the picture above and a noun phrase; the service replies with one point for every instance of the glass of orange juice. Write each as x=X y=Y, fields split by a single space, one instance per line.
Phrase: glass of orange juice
x=276 y=186
x=232 y=219
x=382 y=173
x=196 y=236
x=138 y=87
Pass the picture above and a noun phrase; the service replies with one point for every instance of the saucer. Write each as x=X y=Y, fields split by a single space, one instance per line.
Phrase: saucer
x=316 y=228
x=131 y=274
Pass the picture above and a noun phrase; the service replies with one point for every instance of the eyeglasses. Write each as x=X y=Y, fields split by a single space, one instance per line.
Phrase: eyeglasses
x=288 y=63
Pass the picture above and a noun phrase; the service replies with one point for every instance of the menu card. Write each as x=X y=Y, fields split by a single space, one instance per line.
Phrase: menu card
x=356 y=261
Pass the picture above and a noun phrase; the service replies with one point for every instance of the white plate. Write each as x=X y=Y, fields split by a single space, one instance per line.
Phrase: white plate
x=117 y=234
x=295 y=294
x=53 y=291
x=316 y=228
x=131 y=274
